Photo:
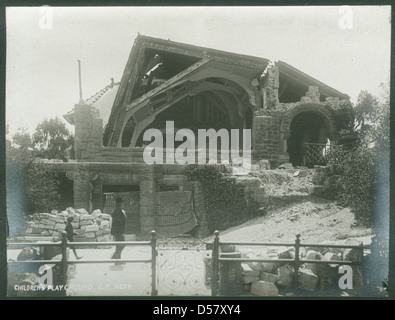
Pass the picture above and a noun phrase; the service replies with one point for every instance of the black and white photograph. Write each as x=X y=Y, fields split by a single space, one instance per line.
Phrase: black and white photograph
x=197 y=151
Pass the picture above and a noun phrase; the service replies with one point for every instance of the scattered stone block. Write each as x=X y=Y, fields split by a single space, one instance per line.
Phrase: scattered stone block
x=314 y=255
x=269 y=267
x=285 y=166
x=60 y=226
x=82 y=211
x=264 y=288
x=264 y=164
x=253 y=265
x=70 y=210
x=92 y=228
x=90 y=235
x=307 y=280
x=46 y=227
x=85 y=223
x=84 y=217
x=248 y=271
x=106 y=216
x=96 y=213
x=104 y=225
x=99 y=233
x=227 y=248
x=330 y=256
x=104 y=238
x=52 y=217
x=268 y=277
x=287 y=254
x=285 y=276
x=43 y=215
x=250 y=279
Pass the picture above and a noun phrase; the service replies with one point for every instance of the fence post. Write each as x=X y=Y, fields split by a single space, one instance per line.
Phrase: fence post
x=215 y=265
x=154 y=253
x=64 y=260
x=297 y=261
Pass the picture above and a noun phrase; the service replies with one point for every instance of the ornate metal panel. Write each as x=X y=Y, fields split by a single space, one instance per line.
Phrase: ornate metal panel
x=182 y=273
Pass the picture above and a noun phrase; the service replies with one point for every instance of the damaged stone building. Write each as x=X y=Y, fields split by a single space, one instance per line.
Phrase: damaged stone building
x=197 y=88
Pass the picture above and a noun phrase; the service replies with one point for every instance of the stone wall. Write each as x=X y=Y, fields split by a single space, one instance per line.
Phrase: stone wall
x=93 y=227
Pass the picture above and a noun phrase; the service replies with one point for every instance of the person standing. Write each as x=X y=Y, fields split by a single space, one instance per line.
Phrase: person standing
x=70 y=234
x=118 y=226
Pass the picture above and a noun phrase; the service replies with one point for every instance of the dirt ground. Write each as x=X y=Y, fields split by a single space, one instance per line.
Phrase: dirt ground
x=315 y=219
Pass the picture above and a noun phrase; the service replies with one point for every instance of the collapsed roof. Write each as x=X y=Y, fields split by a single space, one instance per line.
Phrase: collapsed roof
x=158 y=72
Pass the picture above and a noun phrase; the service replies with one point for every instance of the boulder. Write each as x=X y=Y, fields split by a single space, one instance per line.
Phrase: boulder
x=248 y=271
x=285 y=166
x=314 y=255
x=264 y=288
x=269 y=267
x=307 y=280
x=268 y=277
x=285 y=276
x=289 y=253
x=330 y=256
x=253 y=265
x=264 y=164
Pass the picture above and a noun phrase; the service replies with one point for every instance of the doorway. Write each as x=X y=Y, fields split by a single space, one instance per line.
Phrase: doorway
x=131 y=196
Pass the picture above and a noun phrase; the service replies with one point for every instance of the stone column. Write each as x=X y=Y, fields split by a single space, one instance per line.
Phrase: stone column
x=267 y=138
x=148 y=189
x=82 y=188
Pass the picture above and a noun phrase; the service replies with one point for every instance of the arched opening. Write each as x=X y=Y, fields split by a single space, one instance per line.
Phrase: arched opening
x=248 y=119
x=192 y=112
x=307 y=129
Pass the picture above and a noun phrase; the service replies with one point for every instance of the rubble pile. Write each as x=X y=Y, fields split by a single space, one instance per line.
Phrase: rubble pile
x=276 y=278
x=93 y=227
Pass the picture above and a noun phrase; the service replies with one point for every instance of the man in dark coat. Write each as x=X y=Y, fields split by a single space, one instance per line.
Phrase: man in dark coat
x=118 y=226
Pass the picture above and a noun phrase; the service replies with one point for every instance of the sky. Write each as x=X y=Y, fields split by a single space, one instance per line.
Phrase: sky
x=348 y=49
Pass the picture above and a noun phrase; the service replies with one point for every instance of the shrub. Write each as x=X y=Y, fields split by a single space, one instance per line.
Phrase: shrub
x=36 y=187
x=225 y=200
x=358 y=181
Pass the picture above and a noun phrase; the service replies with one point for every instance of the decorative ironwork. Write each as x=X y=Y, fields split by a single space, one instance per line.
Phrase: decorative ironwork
x=182 y=273
x=322 y=154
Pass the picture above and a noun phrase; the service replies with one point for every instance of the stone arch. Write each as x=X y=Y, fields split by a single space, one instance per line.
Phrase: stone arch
x=312 y=114
x=319 y=109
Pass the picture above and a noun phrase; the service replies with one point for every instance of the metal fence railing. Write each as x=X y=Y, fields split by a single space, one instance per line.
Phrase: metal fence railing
x=65 y=261
x=297 y=262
